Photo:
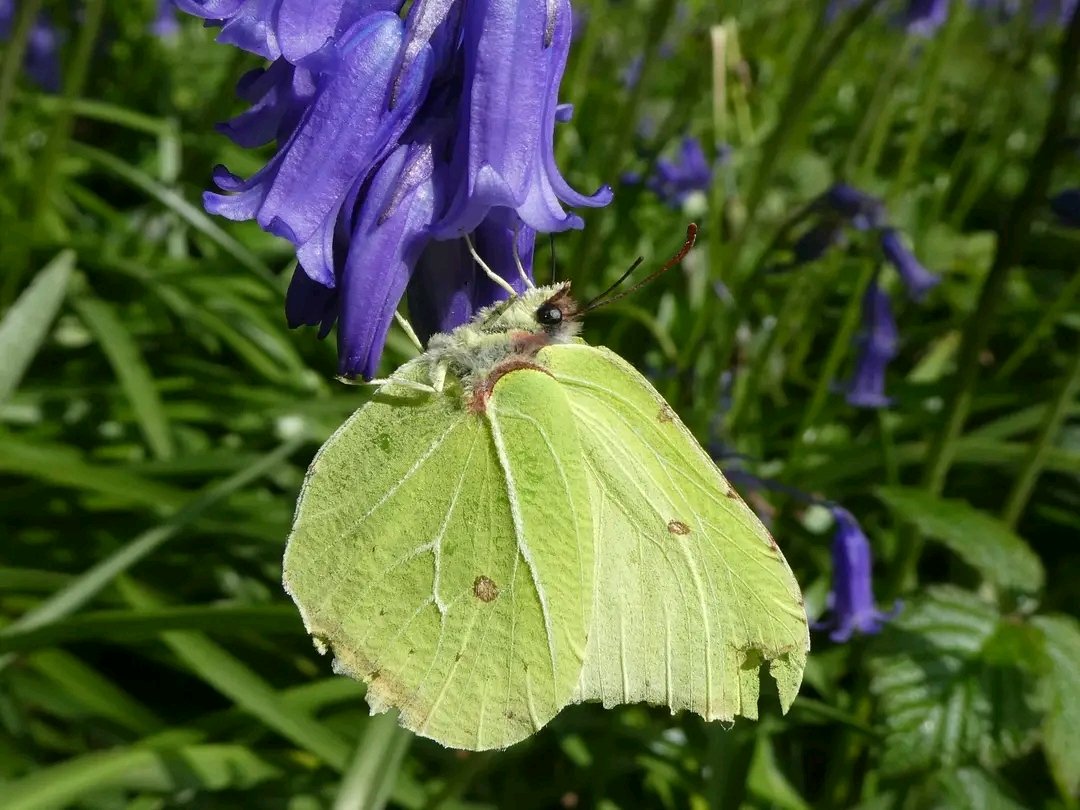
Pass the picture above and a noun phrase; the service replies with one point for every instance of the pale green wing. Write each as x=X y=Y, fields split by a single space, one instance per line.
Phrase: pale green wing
x=446 y=558
x=692 y=594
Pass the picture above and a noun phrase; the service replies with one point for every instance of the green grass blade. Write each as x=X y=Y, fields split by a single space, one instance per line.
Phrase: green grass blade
x=64 y=466
x=128 y=626
x=26 y=324
x=131 y=370
x=93 y=691
x=251 y=693
x=373 y=771
x=199 y=767
x=84 y=587
x=176 y=203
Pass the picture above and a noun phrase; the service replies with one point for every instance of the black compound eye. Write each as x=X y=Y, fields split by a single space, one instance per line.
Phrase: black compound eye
x=548 y=315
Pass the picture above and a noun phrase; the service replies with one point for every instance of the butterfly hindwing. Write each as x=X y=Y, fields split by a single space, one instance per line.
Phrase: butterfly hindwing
x=445 y=556
x=692 y=593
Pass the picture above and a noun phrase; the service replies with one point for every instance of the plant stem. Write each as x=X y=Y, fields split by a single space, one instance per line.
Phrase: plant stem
x=74 y=81
x=797 y=99
x=845 y=334
x=928 y=103
x=1033 y=465
x=1058 y=307
x=876 y=123
x=1012 y=237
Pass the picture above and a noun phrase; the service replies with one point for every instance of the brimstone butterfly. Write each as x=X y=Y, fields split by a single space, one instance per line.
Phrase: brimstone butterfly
x=518 y=521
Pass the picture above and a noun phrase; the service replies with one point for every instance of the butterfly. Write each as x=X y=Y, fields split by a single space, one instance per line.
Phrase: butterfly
x=518 y=521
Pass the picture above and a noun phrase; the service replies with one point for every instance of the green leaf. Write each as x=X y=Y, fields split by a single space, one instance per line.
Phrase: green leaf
x=1061 y=728
x=131 y=370
x=202 y=767
x=982 y=541
x=972 y=789
x=25 y=326
x=941 y=701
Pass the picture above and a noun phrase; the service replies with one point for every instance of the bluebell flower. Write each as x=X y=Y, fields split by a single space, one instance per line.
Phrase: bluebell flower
x=816 y=242
x=1066 y=204
x=392 y=135
x=41 y=60
x=925 y=17
x=918 y=280
x=863 y=211
x=631 y=74
x=675 y=180
x=165 y=24
x=877 y=346
x=852 y=609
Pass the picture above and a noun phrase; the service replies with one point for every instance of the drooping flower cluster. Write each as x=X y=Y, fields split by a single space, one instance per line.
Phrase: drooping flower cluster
x=851 y=608
x=675 y=180
x=41 y=60
x=838 y=209
x=397 y=137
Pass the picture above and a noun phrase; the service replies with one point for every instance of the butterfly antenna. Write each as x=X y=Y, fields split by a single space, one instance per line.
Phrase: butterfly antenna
x=599 y=301
x=495 y=277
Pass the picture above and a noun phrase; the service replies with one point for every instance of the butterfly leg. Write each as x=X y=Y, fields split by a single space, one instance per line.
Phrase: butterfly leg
x=411 y=384
x=495 y=277
x=406 y=327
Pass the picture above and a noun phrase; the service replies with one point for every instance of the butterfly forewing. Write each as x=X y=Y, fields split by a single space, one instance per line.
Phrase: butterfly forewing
x=445 y=557
x=692 y=594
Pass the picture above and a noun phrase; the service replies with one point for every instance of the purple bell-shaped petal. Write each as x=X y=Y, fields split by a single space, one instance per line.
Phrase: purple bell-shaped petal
x=393 y=227
x=279 y=95
x=309 y=303
x=348 y=128
x=298 y=30
x=877 y=346
x=165 y=24
x=674 y=181
x=851 y=600
x=918 y=280
x=515 y=52
x=862 y=210
x=1066 y=204
x=924 y=17
x=816 y=242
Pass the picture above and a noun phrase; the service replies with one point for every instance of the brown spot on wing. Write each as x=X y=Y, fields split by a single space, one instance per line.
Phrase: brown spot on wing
x=484 y=589
x=677 y=527
x=666 y=414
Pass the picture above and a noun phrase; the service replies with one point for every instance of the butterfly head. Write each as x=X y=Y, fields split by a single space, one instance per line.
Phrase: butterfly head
x=549 y=312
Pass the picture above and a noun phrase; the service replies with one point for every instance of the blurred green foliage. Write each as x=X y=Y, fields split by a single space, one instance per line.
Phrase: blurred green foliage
x=156 y=417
